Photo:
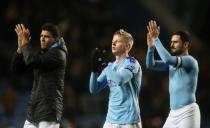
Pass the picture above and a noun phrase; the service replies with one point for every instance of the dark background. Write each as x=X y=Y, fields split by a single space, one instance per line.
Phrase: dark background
x=86 y=24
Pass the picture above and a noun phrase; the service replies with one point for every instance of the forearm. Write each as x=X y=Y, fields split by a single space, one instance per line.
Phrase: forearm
x=28 y=54
x=94 y=85
x=163 y=53
x=153 y=64
x=150 y=58
x=17 y=63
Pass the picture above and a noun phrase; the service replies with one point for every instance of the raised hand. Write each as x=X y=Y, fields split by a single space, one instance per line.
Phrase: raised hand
x=23 y=34
x=150 y=42
x=153 y=29
x=99 y=59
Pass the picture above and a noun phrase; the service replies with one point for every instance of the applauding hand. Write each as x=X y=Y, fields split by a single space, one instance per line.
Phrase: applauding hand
x=23 y=34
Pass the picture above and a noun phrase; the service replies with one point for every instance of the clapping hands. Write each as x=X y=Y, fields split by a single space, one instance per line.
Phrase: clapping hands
x=153 y=31
x=23 y=35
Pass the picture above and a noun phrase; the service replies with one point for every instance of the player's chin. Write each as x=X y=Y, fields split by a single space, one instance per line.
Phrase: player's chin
x=43 y=47
x=174 y=53
x=173 y=50
x=114 y=52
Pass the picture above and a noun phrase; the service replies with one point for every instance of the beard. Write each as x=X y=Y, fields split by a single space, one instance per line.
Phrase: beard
x=176 y=51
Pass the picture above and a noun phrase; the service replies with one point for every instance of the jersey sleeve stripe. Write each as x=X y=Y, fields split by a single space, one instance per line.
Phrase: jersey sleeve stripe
x=179 y=61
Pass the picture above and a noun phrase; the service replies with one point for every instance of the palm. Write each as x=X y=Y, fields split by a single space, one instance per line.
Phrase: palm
x=153 y=29
x=23 y=34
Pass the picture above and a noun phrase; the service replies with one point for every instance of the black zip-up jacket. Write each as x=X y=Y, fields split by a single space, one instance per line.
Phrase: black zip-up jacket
x=49 y=66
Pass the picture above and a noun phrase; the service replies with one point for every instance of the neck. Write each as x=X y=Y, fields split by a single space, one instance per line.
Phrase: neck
x=118 y=58
x=184 y=53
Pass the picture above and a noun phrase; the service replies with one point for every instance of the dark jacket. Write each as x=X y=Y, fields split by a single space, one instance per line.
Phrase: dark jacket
x=49 y=66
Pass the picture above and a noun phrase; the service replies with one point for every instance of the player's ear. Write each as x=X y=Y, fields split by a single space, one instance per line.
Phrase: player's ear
x=186 y=45
x=128 y=46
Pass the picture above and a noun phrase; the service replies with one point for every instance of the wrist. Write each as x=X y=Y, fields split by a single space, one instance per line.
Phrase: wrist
x=155 y=38
x=151 y=47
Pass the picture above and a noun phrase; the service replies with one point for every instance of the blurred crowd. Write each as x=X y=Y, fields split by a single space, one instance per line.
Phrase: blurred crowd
x=84 y=26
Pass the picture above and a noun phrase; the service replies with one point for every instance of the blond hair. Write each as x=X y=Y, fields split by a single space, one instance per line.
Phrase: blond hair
x=126 y=36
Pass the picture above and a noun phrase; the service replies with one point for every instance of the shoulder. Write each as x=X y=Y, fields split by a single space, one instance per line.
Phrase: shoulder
x=57 y=52
x=189 y=59
x=109 y=65
x=132 y=64
x=131 y=61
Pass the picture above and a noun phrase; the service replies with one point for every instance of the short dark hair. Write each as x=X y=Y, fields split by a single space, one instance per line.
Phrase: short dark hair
x=52 y=28
x=184 y=36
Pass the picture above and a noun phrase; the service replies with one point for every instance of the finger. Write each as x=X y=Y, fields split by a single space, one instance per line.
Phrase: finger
x=18 y=26
x=22 y=27
x=19 y=29
x=149 y=26
x=148 y=29
x=153 y=24
x=16 y=30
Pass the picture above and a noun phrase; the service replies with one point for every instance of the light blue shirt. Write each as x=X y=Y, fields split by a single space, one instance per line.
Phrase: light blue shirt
x=183 y=74
x=123 y=107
